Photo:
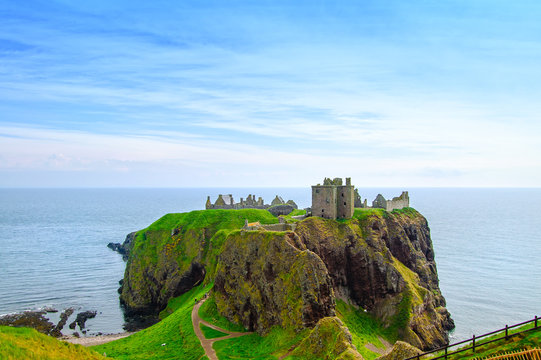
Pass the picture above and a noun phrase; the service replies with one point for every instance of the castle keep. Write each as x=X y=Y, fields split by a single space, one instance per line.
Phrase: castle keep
x=332 y=200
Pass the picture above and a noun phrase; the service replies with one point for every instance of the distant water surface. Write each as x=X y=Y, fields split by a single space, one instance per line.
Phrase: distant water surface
x=53 y=247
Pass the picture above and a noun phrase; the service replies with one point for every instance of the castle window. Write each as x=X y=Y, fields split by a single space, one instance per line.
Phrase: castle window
x=322 y=210
x=317 y=191
x=342 y=194
x=344 y=203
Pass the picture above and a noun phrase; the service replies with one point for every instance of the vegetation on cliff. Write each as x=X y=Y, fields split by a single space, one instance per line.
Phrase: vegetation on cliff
x=176 y=252
x=285 y=285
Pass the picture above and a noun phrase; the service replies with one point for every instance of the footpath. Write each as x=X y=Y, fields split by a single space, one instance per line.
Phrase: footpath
x=207 y=343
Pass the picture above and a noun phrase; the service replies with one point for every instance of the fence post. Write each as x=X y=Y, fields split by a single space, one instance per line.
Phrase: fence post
x=506 y=332
x=446 y=347
x=536 y=321
x=473 y=344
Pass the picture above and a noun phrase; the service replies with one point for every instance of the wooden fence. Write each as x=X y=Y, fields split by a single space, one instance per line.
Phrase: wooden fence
x=476 y=341
x=532 y=354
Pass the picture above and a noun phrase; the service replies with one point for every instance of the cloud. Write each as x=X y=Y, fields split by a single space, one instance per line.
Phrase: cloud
x=419 y=93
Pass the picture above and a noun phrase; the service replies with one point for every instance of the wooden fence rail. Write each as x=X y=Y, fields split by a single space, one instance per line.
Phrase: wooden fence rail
x=532 y=354
x=475 y=341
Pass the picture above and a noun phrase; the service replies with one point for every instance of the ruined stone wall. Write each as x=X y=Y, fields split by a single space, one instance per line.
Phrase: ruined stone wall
x=227 y=202
x=345 y=202
x=398 y=202
x=324 y=201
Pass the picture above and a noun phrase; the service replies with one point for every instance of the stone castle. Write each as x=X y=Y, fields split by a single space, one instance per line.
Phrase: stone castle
x=333 y=200
x=227 y=202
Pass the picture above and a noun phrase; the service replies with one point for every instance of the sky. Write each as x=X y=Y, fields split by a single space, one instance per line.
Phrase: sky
x=270 y=93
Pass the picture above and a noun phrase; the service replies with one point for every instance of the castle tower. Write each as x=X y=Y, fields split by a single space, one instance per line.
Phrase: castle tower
x=345 y=202
x=333 y=200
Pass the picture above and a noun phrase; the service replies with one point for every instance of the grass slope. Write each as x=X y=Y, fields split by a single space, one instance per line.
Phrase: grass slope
x=364 y=329
x=209 y=312
x=210 y=333
x=25 y=343
x=252 y=346
x=525 y=341
x=175 y=331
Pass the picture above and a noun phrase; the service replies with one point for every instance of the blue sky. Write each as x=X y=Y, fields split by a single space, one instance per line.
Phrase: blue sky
x=270 y=93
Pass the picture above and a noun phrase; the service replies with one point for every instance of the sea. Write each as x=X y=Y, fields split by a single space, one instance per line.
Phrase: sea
x=53 y=247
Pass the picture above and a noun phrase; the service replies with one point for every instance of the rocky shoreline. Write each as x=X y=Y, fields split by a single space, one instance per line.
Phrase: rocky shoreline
x=95 y=340
x=40 y=320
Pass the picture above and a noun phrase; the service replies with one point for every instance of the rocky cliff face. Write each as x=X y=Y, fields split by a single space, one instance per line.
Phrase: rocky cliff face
x=380 y=261
x=175 y=253
x=384 y=263
x=270 y=278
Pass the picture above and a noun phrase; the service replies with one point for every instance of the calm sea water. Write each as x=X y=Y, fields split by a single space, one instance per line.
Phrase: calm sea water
x=53 y=247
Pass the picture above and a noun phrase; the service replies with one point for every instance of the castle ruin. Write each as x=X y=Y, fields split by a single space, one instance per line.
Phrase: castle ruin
x=397 y=202
x=227 y=202
x=333 y=200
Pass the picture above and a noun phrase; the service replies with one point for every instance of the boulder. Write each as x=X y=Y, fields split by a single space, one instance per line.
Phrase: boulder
x=281 y=210
x=400 y=351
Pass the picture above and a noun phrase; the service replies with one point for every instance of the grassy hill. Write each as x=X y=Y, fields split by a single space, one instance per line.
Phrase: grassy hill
x=25 y=343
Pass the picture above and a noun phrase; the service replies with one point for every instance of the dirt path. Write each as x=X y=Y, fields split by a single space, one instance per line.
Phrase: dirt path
x=207 y=343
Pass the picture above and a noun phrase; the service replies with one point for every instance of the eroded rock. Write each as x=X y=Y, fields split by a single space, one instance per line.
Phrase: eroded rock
x=269 y=278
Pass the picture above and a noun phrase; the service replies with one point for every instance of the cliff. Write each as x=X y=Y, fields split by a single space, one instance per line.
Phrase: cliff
x=384 y=263
x=270 y=278
x=175 y=253
x=381 y=262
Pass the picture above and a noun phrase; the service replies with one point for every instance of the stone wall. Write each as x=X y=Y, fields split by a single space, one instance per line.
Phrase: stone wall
x=324 y=201
x=227 y=202
x=398 y=202
x=345 y=202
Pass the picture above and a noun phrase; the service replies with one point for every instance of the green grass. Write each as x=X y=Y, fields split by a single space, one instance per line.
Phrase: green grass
x=528 y=340
x=192 y=227
x=197 y=235
x=209 y=312
x=363 y=213
x=408 y=211
x=175 y=331
x=297 y=212
x=252 y=346
x=364 y=328
x=211 y=333
x=25 y=343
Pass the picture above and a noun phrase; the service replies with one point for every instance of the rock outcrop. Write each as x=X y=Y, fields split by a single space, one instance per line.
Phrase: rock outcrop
x=400 y=351
x=283 y=209
x=269 y=278
x=382 y=262
x=175 y=253
x=125 y=247
x=328 y=340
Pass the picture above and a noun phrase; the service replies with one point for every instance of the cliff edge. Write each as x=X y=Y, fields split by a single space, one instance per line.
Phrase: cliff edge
x=379 y=262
